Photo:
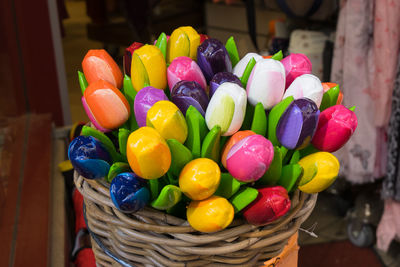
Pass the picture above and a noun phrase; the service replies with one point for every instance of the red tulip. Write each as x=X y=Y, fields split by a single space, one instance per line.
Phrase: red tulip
x=270 y=204
x=335 y=127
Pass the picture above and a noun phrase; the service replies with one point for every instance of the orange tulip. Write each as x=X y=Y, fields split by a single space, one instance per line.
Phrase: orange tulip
x=99 y=65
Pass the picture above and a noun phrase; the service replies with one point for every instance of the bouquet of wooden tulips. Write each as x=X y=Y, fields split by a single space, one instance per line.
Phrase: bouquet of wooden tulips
x=194 y=130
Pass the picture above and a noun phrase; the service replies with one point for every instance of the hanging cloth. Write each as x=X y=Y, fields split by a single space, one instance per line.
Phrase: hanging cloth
x=352 y=68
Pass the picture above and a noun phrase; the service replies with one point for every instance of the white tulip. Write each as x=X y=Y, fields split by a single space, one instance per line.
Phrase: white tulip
x=241 y=65
x=227 y=108
x=306 y=85
x=266 y=83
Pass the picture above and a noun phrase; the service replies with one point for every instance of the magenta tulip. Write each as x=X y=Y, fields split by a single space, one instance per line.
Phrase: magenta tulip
x=296 y=65
x=250 y=158
x=335 y=127
x=185 y=68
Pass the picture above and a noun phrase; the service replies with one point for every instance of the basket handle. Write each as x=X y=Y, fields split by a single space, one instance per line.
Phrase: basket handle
x=101 y=245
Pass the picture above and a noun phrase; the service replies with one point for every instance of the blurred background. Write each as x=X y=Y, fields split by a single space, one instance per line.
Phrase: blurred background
x=354 y=43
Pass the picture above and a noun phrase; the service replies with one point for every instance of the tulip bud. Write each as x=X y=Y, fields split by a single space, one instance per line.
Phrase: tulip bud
x=220 y=78
x=144 y=100
x=266 y=83
x=238 y=70
x=183 y=42
x=320 y=171
x=203 y=37
x=227 y=108
x=186 y=94
x=212 y=58
x=128 y=192
x=297 y=124
x=335 y=127
x=168 y=120
x=250 y=158
x=231 y=142
x=270 y=204
x=210 y=215
x=105 y=105
x=184 y=68
x=128 y=57
x=148 y=154
x=200 y=178
x=148 y=68
x=306 y=85
x=295 y=66
x=99 y=65
x=89 y=157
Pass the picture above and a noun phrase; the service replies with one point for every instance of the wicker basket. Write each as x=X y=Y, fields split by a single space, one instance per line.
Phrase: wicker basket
x=153 y=238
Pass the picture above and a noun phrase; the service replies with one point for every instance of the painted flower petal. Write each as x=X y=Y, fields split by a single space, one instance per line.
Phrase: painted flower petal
x=266 y=83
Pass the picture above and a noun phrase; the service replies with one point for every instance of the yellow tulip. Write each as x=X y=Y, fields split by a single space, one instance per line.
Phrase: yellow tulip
x=200 y=178
x=148 y=154
x=148 y=68
x=168 y=120
x=320 y=171
x=183 y=42
x=210 y=215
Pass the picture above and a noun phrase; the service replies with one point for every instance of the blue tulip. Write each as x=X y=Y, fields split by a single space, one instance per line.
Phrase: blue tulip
x=128 y=192
x=89 y=157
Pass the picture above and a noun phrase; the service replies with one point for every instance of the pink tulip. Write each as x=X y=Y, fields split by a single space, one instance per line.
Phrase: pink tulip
x=250 y=158
x=296 y=65
x=335 y=127
x=185 y=68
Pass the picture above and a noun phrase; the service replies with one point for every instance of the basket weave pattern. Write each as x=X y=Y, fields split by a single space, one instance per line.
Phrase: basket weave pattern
x=153 y=238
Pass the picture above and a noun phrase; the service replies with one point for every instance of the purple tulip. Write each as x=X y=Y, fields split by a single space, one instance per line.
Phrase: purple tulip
x=144 y=100
x=222 y=77
x=212 y=58
x=298 y=123
x=187 y=93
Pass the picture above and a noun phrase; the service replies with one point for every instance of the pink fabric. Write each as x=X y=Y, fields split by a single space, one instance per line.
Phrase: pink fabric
x=386 y=50
x=389 y=226
x=352 y=68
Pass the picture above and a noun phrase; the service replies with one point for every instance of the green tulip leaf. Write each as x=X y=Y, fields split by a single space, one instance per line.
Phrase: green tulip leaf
x=274 y=116
x=352 y=108
x=169 y=196
x=247 y=71
x=243 y=198
x=228 y=186
x=180 y=155
x=248 y=117
x=330 y=98
x=162 y=44
x=290 y=176
x=210 y=147
x=232 y=51
x=130 y=94
x=272 y=175
x=295 y=157
x=117 y=168
x=278 y=56
x=82 y=81
x=259 y=124
x=197 y=131
x=123 y=135
x=108 y=144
